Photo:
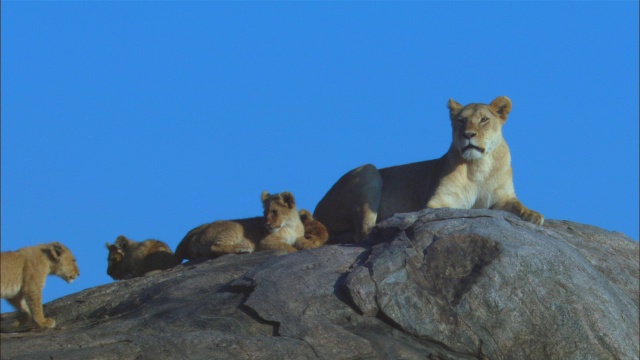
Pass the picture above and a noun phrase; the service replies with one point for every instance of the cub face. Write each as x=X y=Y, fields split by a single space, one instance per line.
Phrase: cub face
x=63 y=262
x=477 y=128
x=114 y=260
x=278 y=209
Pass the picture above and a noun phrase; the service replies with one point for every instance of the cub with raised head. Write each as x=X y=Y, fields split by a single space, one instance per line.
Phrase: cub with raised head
x=23 y=275
x=315 y=233
x=276 y=228
x=282 y=221
x=475 y=173
x=129 y=259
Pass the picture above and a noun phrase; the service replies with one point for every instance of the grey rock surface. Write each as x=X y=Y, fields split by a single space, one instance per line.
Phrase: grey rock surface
x=436 y=284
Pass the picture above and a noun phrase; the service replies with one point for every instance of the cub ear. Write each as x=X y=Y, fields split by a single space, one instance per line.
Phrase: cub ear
x=305 y=215
x=57 y=248
x=122 y=242
x=265 y=195
x=288 y=199
x=454 y=107
x=53 y=250
x=502 y=106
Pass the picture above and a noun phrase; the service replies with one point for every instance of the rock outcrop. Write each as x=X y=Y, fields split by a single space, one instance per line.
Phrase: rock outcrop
x=437 y=284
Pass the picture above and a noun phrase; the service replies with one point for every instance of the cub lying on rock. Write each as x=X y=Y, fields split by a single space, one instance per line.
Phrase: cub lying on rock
x=23 y=274
x=129 y=259
x=278 y=229
x=475 y=173
x=315 y=233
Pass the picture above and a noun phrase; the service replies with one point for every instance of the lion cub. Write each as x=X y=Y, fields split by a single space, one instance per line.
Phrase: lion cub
x=129 y=259
x=315 y=233
x=24 y=273
x=278 y=228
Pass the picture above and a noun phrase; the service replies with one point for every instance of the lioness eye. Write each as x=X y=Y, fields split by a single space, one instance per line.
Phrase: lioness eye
x=461 y=121
x=484 y=119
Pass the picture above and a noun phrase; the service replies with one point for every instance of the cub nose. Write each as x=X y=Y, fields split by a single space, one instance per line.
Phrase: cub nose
x=470 y=134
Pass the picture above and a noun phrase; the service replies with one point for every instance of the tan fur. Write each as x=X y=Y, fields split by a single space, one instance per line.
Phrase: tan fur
x=220 y=238
x=277 y=229
x=315 y=233
x=24 y=273
x=282 y=221
x=475 y=173
x=129 y=259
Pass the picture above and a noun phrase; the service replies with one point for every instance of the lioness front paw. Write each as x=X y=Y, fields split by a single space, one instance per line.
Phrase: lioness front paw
x=532 y=217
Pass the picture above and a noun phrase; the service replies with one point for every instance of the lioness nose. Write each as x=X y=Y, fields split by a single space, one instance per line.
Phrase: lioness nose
x=470 y=134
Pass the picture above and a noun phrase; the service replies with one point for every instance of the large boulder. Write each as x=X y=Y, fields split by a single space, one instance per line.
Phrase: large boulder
x=440 y=284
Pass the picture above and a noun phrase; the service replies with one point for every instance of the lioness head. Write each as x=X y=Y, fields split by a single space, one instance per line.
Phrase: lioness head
x=477 y=128
x=114 y=260
x=279 y=209
x=63 y=263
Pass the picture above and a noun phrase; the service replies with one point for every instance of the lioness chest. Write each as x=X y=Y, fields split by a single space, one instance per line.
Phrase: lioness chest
x=441 y=184
x=472 y=186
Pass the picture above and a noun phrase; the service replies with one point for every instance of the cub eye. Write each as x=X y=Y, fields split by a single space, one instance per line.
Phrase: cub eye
x=484 y=119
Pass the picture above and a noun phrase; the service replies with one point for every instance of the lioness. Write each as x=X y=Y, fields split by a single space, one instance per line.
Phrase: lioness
x=129 y=259
x=474 y=173
x=24 y=273
x=315 y=233
x=278 y=228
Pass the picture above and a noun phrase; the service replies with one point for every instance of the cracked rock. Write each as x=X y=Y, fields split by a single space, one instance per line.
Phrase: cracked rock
x=435 y=284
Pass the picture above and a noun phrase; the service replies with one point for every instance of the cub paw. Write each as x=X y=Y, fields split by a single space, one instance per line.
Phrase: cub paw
x=532 y=217
x=49 y=323
x=244 y=250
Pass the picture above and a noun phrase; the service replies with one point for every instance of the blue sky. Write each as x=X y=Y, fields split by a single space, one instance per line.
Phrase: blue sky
x=150 y=118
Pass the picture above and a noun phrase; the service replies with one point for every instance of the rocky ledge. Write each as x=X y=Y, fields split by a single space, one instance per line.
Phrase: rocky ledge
x=436 y=284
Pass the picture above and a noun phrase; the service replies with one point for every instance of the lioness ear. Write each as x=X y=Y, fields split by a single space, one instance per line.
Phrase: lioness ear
x=288 y=199
x=265 y=195
x=502 y=106
x=454 y=107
